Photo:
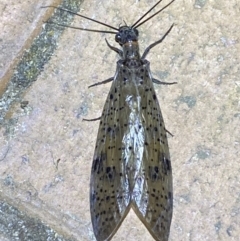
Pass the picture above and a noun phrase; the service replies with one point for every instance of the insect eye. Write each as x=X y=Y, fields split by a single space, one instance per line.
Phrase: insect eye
x=136 y=32
x=118 y=38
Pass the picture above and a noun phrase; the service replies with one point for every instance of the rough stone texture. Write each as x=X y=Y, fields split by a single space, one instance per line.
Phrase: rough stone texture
x=46 y=148
x=20 y=23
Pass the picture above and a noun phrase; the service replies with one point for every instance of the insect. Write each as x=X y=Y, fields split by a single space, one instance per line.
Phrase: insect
x=131 y=165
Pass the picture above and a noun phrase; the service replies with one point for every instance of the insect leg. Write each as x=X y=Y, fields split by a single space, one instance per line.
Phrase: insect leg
x=102 y=82
x=156 y=81
x=157 y=42
x=169 y=133
x=119 y=51
x=94 y=119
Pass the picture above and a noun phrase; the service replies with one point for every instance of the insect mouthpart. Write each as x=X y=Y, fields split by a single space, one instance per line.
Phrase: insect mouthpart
x=126 y=34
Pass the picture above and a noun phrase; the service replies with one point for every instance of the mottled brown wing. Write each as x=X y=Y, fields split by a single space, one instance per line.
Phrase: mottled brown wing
x=152 y=195
x=131 y=165
x=109 y=185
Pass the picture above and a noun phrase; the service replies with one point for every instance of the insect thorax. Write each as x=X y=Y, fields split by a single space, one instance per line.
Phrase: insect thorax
x=127 y=37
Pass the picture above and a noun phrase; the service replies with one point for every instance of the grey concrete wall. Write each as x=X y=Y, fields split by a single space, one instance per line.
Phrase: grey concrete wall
x=46 y=149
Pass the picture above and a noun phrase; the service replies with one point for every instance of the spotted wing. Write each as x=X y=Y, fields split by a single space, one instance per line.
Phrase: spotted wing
x=109 y=185
x=131 y=166
x=152 y=194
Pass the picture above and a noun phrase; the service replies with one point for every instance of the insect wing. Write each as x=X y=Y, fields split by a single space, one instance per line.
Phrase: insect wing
x=152 y=195
x=131 y=165
x=109 y=185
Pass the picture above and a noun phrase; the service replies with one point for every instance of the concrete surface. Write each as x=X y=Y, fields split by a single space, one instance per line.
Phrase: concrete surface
x=46 y=149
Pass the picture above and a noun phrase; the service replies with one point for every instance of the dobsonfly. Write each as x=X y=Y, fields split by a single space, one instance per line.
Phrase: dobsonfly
x=131 y=165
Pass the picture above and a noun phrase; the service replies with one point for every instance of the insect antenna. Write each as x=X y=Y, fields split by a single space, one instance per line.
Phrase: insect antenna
x=137 y=24
x=82 y=16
